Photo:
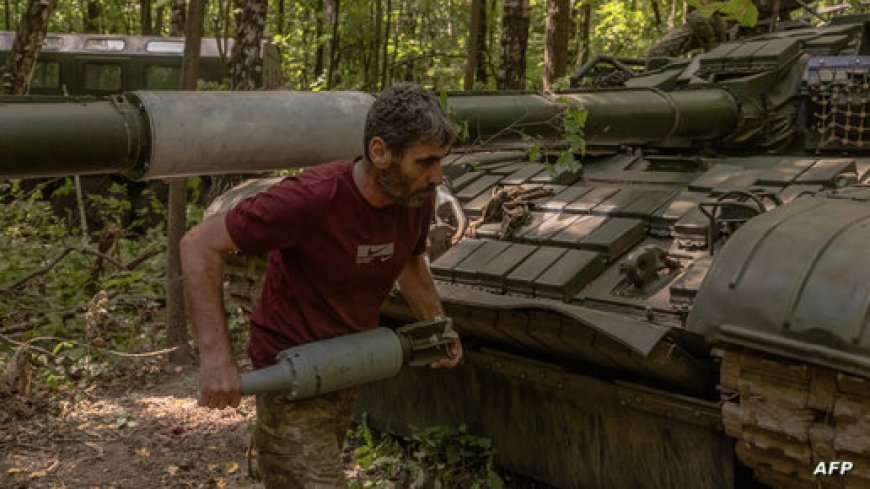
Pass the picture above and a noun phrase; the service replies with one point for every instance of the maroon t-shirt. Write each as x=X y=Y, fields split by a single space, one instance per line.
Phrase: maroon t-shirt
x=333 y=257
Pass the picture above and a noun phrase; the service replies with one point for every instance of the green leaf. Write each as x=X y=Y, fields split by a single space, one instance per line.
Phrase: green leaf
x=60 y=346
x=742 y=11
x=534 y=152
x=66 y=189
x=566 y=158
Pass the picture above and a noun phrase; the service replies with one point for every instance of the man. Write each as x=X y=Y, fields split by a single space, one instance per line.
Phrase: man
x=706 y=31
x=339 y=236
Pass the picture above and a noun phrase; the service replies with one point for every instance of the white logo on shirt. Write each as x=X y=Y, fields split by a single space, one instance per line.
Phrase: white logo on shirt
x=374 y=253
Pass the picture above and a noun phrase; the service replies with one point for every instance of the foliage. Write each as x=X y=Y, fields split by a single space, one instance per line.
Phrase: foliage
x=574 y=123
x=742 y=11
x=419 y=40
x=84 y=304
x=621 y=30
x=434 y=457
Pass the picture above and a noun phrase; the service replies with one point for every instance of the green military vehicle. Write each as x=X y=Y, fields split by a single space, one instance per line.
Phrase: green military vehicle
x=686 y=303
x=689 y=300
x=108 y=64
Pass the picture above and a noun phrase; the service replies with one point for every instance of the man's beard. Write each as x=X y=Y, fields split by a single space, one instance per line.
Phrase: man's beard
x=398 y=188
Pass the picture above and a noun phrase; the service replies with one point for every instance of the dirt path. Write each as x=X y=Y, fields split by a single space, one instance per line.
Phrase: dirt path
x=147 y=433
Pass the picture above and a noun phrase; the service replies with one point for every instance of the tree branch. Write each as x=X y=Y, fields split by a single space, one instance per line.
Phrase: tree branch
x=38 y=272
x=27 y=344
x=135 y=262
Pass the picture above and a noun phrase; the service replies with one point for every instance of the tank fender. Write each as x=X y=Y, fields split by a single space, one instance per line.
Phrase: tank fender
x=795 y=282
x=639 y=336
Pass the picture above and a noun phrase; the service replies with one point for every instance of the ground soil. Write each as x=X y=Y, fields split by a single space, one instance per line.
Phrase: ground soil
x=143 y=429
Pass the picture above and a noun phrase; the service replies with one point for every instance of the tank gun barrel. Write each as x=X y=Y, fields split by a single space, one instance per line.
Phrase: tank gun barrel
x=151 y=135
x=617 y=116
x=161 y=134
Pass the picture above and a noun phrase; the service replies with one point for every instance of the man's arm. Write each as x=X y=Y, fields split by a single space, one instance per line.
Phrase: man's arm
x=419 y=291
x=202 y=250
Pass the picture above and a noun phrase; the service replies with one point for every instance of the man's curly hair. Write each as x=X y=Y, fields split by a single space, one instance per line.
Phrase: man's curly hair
x=405 y=114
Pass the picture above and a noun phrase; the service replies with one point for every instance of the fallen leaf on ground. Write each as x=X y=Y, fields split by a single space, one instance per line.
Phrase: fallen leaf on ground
x=143 y=452
x=172 y=469
x=14 y=470
x=96 y=447
x=232 y=467
x=38 y=474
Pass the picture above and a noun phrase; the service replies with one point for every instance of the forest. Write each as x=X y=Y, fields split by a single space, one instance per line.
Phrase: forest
x=444 y=45
x=87 y=396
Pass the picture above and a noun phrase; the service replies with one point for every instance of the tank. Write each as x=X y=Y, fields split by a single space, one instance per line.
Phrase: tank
x=684 y=304
x=683 y=301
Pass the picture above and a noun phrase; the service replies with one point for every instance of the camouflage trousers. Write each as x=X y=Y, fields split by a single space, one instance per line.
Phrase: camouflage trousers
x=299 y=442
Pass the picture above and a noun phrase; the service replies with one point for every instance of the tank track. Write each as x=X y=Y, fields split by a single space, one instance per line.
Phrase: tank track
x=787 y=417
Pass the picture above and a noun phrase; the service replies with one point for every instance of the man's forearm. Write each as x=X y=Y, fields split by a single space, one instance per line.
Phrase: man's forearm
x=202 y=270
x=418 y=288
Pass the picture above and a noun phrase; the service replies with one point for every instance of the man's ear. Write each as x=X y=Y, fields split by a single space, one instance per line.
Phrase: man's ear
x=379 y=153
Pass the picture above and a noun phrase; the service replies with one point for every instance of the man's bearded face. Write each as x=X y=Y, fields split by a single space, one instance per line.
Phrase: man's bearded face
x=410 y=179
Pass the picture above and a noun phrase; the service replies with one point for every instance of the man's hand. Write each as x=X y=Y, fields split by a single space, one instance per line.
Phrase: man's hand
x=202 y=250
x=456 y=356
x=219 y=384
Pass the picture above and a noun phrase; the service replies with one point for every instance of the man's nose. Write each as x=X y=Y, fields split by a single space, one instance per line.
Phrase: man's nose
x=436 y=176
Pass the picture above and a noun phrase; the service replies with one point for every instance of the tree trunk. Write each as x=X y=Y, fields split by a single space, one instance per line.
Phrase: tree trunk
x=557 y=32
x=145 y=17
x=406 y=23
x=330 y=16
x=774 y=15
x=394 y=69
x=246 y=51
x=514 y=39
x=6 y=11
x=375 y=65
x=192 y=42
x=221 y=24
x=16 y=75
x=386 y=60
x=281 y=18
x=92 y=16
x=585 y=27
x=244 y=65
x=492 y=21
x=318 y=56
x=483 y=45
x=176 y=18
x=158 y=20
x=475 y=36
x=176 y=322
x=672 y=17
x=657 y=15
